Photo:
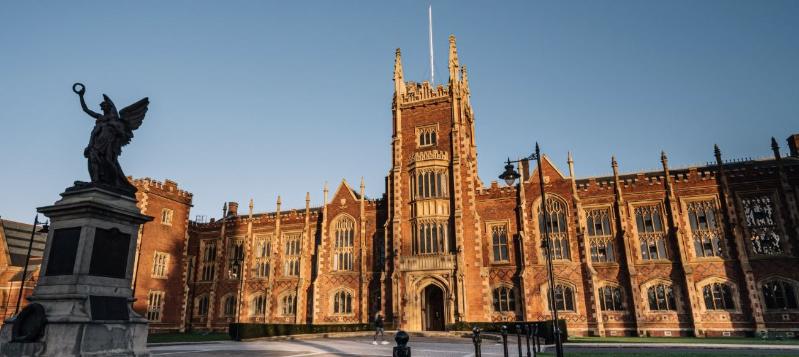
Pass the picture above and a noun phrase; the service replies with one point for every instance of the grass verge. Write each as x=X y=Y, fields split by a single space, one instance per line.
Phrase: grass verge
x=713 y=340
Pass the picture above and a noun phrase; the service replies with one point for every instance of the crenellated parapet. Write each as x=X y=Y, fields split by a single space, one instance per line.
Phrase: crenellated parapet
x=167 y=188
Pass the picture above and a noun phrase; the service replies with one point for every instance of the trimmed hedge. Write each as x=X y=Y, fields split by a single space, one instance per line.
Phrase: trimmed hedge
x=544 y=328
x=239 y=331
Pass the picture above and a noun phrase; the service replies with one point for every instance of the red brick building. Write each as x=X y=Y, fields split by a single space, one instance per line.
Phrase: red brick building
x=708 y=250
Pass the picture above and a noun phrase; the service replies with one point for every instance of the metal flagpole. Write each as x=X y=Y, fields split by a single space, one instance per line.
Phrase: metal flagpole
x=430 y=28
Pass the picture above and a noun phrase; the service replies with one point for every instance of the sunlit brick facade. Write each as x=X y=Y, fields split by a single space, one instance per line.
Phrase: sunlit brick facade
x=705 y=250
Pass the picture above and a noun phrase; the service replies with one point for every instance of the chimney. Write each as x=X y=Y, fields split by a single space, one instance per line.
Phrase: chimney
x=793 y=145
x=232 y=209
x=525 y=170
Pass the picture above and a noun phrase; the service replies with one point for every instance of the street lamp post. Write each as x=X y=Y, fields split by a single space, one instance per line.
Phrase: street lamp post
x=510 y=175
x=237 y=273
x=44 y=229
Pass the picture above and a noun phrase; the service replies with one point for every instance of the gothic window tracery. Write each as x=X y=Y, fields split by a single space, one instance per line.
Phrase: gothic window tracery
x=661 y=297
x=208 y=250
x=499 y=243
x=258 y=305
x=235 y=258
x=343 y=245
x=706 y=228
x=600 y=235
x=651 y=234
x=779 y=295
x=759 y=213
x=564 y=298
x=229 y=305
x=558 y=229
x=288 y=304
x=718 y=296
x=431 y=183
x=291 y=266
x=262 y=252
x=427 y=136
x=202 y=306
x=504 y=299
x=610 y=298
x=342 y=302
x=429 y=237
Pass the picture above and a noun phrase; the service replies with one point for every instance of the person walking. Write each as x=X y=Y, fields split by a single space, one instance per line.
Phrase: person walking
x=379 y=329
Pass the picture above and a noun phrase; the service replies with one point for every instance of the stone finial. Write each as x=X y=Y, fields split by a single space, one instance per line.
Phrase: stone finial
x=224 y=209
x=307 y=197
x=776 y=148
x=278 y=200
x=570 y=162
x=664 y=159
x=399 y=81
x=717 y=153
x=453 y=60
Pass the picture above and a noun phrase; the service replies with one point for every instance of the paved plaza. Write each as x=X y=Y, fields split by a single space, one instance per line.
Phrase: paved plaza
x=427 y=346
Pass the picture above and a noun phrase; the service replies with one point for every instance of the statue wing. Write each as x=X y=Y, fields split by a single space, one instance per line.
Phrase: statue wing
x=132 y=116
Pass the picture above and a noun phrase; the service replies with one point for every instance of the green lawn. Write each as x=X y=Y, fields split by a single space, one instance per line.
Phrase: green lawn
x=658 y=354
x=187 y=337
x=720 y=340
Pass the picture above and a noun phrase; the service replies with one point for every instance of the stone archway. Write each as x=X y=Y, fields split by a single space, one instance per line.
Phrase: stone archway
x=433 y=312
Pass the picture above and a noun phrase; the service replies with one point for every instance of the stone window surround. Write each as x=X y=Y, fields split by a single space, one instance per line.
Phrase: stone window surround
x=160 y=309
x=291 y=258
x=430 y=128
x=685 y=221
x=223 y=303
x=332 y=298
x=266 y=239
x=536 y=212
x=779 y=223
x=514 y=291
x=624 y=305
x=617 y=249
x=252 y=310
x=334 y=250
x=676 y=291
x=794 y=284
x=166 y=216
x=281 y=301
x=489 y=225
x=736 y=294
x=639 y=258
x=544 y=289
x=160 y=271
x=197 y=301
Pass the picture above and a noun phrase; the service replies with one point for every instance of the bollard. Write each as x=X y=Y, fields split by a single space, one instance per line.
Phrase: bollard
x=527 y=335
x=477 y=341
x=505 y=340
x=536 y=341
x=519 y=339
x=402 y=349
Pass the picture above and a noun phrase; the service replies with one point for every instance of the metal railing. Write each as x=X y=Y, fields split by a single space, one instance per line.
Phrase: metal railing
x=531 y=333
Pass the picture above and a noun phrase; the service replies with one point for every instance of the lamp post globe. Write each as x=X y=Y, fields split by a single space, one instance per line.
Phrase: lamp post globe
x=510 y=175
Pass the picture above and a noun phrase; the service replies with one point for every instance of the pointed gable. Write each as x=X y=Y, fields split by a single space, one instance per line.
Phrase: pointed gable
x=551 y=172
x=345 y=192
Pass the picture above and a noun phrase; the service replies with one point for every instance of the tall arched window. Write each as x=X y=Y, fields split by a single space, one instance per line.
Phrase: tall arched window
x=779 y=294
x=718 y=296
x=258 y=305
x=262 y=252
x=610 y=298
x=291 y=265
x=761 y=223
x=202 y=306
x=600 y=235
x=431 y=183
x=705 y=228
x=661 y=297
x=650 y=232
x=342 y=302
x=504 y=299
x=343 y=245
x=229 y=305
x=558 y=230
x=564 y=298
x=288 y=304
x=499 y=242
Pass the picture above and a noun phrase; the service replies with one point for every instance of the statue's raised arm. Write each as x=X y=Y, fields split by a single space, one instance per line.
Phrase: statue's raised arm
x=112 y=130
x=80 y=89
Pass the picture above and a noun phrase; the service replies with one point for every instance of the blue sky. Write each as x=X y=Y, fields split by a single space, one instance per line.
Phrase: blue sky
x=251 y=99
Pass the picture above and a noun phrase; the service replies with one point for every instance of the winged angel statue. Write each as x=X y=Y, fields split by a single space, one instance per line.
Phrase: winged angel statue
x=112 y=130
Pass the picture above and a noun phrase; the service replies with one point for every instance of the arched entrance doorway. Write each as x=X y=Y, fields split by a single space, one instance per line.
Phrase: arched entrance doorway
x=433 y=308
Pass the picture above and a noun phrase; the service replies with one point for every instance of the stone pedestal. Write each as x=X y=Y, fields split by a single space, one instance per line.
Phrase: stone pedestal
x=84 y=291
